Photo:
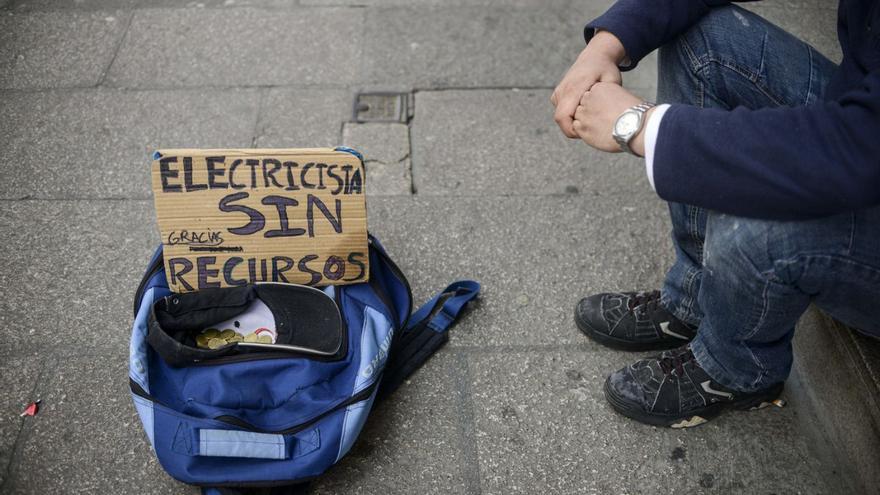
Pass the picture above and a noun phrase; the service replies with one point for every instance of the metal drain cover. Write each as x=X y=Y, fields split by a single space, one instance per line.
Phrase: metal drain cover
x=381 y=107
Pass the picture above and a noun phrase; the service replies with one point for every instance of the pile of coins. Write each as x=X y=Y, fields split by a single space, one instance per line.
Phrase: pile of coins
x=212 y=338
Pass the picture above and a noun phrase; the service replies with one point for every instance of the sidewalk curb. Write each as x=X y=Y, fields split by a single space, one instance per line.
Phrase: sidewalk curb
x=836 y=381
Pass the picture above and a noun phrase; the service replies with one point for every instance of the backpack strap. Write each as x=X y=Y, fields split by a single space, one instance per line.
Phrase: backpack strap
x=426 y=331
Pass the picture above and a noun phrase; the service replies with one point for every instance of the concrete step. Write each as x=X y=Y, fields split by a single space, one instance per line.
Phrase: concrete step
x=837 y=376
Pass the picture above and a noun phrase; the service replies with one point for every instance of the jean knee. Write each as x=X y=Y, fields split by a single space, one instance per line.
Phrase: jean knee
x=737 y=246
x=683 y=62
x=728 y=36
x=725 y=33
x=716 y=30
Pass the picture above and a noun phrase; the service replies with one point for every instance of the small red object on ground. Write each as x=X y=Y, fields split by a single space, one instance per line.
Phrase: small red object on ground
x=32 y=409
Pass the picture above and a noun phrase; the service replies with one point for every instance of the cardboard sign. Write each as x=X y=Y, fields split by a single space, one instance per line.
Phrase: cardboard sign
x=238 y=216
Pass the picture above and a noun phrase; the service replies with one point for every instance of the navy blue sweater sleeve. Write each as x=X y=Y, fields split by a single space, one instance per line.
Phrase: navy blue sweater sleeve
x=645 y=25
x=777 y=163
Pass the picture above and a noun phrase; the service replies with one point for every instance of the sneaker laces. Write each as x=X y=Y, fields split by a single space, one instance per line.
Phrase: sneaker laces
x=647 y=299
x=676 y=360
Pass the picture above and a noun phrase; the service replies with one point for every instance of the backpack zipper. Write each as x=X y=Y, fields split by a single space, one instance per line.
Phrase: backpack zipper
x=155 y=267
x=399 y=274
x=244 y=425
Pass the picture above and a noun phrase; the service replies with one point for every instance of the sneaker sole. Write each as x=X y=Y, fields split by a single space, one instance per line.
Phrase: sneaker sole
x=750 y=403
x=625 y=345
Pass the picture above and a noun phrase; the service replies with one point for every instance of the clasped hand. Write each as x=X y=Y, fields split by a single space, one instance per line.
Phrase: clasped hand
x=590 y=97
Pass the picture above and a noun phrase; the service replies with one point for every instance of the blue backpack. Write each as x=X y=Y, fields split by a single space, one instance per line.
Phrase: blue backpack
x=241 y=416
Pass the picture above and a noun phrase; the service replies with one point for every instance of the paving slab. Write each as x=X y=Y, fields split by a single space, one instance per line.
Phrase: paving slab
x=97 y=143
x=239 y=47
x=33 y=5
x=55 y=49
x=543 y=426
x=200 y=4
x=536 y=256
x=386 y=151
x=87 y=438
x=77 y=265
x=422 y=420
x=303 y=118
x=503 y=142
x=470 y=46
x=18 y=377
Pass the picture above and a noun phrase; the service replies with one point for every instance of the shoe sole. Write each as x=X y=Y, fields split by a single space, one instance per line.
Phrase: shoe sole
x=625 y=345
x=749 y=403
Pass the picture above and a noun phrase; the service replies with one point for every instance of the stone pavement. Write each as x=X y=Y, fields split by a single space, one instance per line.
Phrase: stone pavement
x=478 y=184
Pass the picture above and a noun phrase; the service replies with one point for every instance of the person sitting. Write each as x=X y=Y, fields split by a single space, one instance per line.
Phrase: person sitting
x=769 y=157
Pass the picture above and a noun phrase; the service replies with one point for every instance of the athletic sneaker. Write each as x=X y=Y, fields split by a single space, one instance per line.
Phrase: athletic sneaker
x=631 y=321
x=673 y=390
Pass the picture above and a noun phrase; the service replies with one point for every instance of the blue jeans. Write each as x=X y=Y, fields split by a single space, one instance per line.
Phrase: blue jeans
x=745 y=281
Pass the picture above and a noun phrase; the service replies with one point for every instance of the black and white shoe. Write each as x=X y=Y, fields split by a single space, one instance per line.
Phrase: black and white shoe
x=673 y=390
x=631 y=321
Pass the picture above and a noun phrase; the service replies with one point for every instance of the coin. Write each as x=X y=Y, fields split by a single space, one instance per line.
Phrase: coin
x=264 y=339
x=251 y=337
x=212 y=333
x=227 y=334
x=202 y=340
x=216 y=343
x=236 y=338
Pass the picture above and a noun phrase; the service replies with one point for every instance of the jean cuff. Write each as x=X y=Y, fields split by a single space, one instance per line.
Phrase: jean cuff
x=715 y=370
x=676 y=310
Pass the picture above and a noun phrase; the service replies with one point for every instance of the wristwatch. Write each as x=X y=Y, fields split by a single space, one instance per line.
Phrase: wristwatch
x=629 y=124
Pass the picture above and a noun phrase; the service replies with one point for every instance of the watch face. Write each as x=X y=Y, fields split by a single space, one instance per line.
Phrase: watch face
x=627 y=124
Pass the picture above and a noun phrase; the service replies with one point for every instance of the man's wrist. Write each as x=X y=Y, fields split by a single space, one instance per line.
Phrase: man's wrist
x=637 y=143
x=607 y=45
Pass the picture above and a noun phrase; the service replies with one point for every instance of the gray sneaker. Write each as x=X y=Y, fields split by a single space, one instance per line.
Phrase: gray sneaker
x=631 y=321
x=673 y=390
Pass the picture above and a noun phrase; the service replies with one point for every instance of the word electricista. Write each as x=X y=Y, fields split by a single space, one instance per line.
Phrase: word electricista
x=252 y=173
